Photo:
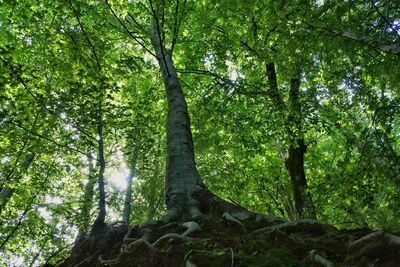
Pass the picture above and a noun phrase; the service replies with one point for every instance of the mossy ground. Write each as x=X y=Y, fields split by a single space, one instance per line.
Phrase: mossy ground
x=219 y=245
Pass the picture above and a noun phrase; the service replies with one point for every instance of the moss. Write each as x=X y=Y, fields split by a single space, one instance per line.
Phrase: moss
x=259 y=244
x=275 y=257
x=219 y=245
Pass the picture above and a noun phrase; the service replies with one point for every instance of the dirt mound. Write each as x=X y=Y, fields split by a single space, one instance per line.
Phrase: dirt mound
x=298 y=243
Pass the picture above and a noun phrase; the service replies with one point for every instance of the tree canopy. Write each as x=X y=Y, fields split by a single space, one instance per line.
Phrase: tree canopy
x=294 y=111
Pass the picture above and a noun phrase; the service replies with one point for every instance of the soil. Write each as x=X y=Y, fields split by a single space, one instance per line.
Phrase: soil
x=290 y=244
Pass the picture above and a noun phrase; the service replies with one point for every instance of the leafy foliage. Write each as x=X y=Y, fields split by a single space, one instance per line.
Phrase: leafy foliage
x=60 y=59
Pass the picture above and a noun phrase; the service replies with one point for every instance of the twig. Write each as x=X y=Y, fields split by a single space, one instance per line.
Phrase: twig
x=86 y=36
x=128 y=31
x=159 y=36
x=28 y=207
x=46 y=138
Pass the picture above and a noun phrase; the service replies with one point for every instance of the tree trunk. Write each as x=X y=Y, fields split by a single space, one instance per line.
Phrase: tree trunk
x=99 y=222
x=128 y=193
x=297 y=148
x=87 y=203
x=184 y=191
x=181 y=178
x=296 y=151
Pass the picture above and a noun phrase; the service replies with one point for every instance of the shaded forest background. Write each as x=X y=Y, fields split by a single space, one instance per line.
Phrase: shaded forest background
x=266 y=83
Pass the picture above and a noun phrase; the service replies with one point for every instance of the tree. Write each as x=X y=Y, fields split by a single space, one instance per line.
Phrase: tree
x=297 y=146
x=185 y=193
x=128 y=194
x=250 y=85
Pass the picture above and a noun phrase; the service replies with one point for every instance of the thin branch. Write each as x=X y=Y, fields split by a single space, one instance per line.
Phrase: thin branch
x=388 y=23
x=46 y=138
x=86 y=36
x=138 y=25
x=176 y=29
x=204 y=72
x=58 y=251
x=159 y=36
x=10 y=235
x=390 y=49
x=127 y=30
x=43 y=106
x=84 y=54
x=262 y=185
x=26 y=141
x=162 y=24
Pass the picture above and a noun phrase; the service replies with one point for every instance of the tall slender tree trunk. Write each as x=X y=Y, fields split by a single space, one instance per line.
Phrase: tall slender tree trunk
x=87 y=202
x=185 y=193
x=181 y=178
x=297 y=148
x=99 y=222
x=128 y=193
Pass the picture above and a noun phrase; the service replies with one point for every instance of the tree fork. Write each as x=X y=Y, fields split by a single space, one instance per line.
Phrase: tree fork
x=296 y=151
x=297 y=148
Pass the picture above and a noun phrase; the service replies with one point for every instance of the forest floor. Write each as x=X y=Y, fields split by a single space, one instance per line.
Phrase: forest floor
x=302 y=243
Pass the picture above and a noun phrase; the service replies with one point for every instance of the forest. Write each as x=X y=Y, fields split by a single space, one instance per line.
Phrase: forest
x=199 y=133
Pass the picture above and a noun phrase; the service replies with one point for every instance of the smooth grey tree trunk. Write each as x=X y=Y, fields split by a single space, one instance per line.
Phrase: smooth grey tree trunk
x=99 y=223
x=87 y=202
x=185 y=193
x=128 y=193
x=182 y=178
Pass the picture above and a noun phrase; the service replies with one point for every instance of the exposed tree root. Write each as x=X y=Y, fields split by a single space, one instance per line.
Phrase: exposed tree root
x=141 y=242
x=232 y=256
x=189 y=263
x=191 y=227
x=174 y=240
x=314 y=257
x=173 y=236
x=380 y=236
x=212 y=243
x=298 y=225
x=230 y=220
x=373 y=248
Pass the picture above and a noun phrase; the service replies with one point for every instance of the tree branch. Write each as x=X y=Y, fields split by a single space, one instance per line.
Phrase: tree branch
x=157 y=25
x=43 y=106
x=46 y=138
x=86 y=36
x=128 y=31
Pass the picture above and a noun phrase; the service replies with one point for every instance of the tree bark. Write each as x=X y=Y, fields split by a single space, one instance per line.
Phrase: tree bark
x=296 y=151
x=87 y=203
x=128 y=193
x=297 y=148
x=184 y=191
x=182 y=178
x=99 y=222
